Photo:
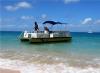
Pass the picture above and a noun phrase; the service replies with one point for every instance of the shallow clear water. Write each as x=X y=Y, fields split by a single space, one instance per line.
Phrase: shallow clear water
x=82 y=52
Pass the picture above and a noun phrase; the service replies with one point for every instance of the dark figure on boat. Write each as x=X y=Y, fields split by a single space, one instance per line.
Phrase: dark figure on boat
x=36 y=27
x=46 y=30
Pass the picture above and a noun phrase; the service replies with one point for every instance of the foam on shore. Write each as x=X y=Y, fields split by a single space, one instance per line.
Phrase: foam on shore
x=25 y=67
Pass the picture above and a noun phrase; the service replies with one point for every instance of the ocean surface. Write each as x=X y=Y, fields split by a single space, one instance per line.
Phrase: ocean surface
x=81 y=55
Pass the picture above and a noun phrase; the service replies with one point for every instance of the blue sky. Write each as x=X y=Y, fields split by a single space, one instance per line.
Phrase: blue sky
x=81 y=15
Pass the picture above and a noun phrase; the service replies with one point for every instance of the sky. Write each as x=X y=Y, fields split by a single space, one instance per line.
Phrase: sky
x=20 y=15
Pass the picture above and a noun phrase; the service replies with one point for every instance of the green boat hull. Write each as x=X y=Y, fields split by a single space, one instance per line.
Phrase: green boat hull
x=50 y=40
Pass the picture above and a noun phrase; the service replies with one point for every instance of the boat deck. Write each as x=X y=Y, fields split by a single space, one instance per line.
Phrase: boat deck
x=47 y=38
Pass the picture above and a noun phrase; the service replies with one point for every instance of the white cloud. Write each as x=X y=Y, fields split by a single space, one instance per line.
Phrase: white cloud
x=97 y=21
x=11 y=8
x=18 y=6
x=0 y=22
x=87 y=21
x=27 y=17
x=90 y=21
x=24 y=5
x=0 y=19
x=43 y=16
x=70 y=1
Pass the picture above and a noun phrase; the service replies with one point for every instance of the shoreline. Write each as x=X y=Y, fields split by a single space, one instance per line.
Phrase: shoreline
x=17 y=66
x=2 y=70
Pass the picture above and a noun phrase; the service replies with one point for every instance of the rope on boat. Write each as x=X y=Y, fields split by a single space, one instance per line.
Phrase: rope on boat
x=20 y=35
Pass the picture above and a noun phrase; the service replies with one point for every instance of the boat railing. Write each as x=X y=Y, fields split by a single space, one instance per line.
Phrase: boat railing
x=21 y=35
x=41 y=34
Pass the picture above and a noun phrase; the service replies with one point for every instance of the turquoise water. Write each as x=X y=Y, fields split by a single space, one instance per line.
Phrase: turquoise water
x=82 y=51
x=82 y=43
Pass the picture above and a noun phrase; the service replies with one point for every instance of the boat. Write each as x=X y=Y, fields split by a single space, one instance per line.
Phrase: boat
x=90 y=31
x=46 y=36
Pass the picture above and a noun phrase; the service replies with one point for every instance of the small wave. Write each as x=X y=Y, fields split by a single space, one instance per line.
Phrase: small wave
x=25 y=67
